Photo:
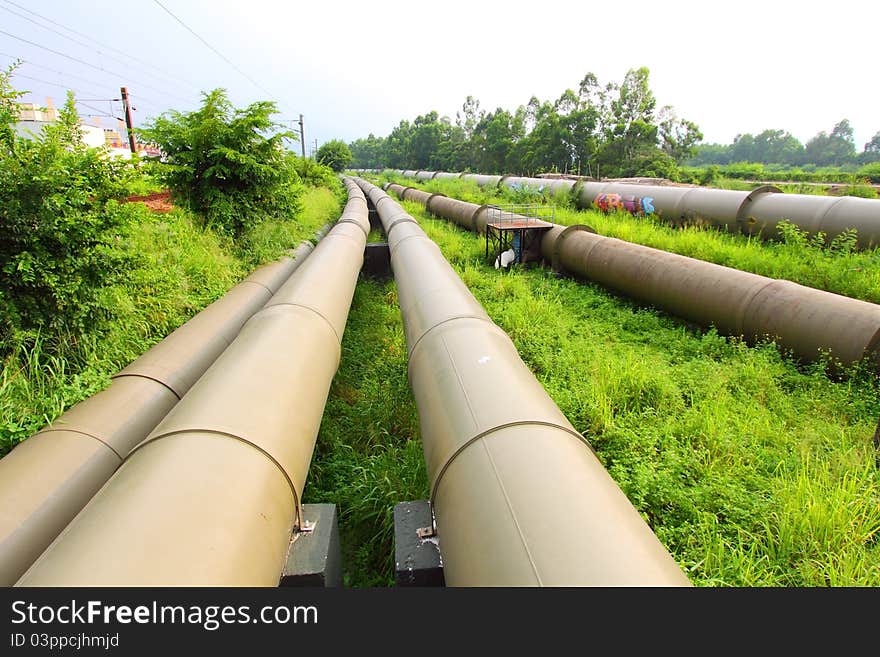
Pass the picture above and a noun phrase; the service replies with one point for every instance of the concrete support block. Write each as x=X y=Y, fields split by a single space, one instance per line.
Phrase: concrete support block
x=315 y=558
x=377 y=261
x=417 y=561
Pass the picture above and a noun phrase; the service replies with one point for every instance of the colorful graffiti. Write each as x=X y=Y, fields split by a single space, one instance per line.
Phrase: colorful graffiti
x=637 y=205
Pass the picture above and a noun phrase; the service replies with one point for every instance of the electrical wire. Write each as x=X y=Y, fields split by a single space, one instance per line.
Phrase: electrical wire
x=54 y=84
x=103 y=45
x=215 y=51
x=53 y=70
x=85 y=63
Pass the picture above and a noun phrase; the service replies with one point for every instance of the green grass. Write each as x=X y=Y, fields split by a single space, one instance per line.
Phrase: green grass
x=368 y=455
x=269 y=239
x=178 y=270
x=750 y=469
x=853 y=274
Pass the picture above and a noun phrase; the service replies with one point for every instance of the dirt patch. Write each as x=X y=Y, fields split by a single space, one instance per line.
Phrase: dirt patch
x=157 y=201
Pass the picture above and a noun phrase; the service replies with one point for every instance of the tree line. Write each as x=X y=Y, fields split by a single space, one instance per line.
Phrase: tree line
x=779 y=147
x=611 y=129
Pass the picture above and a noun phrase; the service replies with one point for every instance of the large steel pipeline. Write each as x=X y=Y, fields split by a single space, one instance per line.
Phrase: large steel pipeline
x=48 y=478
x=755 y=212
x=519 y=497
x=811 y=323
x=212 y=495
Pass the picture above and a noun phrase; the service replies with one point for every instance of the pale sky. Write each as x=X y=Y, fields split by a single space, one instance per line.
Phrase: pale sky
x=353 y=68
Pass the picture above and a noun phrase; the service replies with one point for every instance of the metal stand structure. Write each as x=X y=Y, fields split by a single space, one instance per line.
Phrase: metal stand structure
x=518 y=227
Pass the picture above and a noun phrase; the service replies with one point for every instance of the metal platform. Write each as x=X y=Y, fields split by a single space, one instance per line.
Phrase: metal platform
x=518 y=227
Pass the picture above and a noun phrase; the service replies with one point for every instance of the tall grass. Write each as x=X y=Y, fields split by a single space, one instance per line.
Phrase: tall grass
x=841 y=270
x=368 y=455
x=750 y=469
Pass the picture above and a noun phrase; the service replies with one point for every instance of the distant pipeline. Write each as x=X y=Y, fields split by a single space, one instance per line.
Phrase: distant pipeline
x=812 y=324
x=754 y=213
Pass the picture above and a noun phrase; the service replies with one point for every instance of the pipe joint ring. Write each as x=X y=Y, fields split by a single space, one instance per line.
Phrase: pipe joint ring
x=300 y=518
x=555 y=264
x=436 y=485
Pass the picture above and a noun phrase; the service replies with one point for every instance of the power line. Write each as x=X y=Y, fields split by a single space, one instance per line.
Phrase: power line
x=85 y=63
x=53 y=70
x=94 y=40
x=215 y=51
x=54 y=84
x=64 y=86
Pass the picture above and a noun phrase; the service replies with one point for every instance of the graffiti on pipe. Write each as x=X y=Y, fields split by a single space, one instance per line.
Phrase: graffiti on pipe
x=635 y=205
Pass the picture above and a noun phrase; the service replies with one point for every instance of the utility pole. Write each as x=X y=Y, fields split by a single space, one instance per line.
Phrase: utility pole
x=302 y=136
x=127 y=106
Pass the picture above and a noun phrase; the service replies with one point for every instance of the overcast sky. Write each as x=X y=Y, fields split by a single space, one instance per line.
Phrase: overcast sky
x=353 y=68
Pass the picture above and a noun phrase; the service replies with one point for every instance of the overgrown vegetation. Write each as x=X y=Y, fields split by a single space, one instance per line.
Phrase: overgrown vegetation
x=227 y=165
x=58 y=223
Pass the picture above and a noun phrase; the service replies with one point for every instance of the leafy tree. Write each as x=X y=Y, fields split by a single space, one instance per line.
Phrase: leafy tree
x=872 y=150
x=424 y=142
x=334 y=154
x=57 y=221
x=838 y=148
x=228 y=165
x=367 y=153
x=678 y=137
x=397 y=146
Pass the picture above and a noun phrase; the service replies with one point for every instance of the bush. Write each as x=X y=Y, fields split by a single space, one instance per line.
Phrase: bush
x=313 y=173
x=871 y=172
x=226 y=164
x=334 y=154
x=57 y=222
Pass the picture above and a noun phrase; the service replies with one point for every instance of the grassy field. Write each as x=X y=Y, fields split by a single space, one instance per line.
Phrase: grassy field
x=799 y=259
x=751 y=470
x=178 y=270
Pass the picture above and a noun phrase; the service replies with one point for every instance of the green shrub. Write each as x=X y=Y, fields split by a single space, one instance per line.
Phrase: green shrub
x=314 y=173
x=226 y=164
x=57 y=222
x=334 y=154
x=871 y=172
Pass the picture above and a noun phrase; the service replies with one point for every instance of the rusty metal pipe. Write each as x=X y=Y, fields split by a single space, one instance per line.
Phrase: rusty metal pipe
x=48 y=478
x=212 y=495
x=811 y=323
x=518 y=495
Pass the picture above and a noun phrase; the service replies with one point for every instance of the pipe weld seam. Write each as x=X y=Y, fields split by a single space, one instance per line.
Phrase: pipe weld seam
x=84 y=433
x=821 y=221
x=474 y=218
x=257 y=283
x=555 y=263
x=314 y=310
x=452 y=319
x=123 y=373
x=483 y=434
x=404 y=219
x=217 y=432
x=747 y=303
x=423 y=236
